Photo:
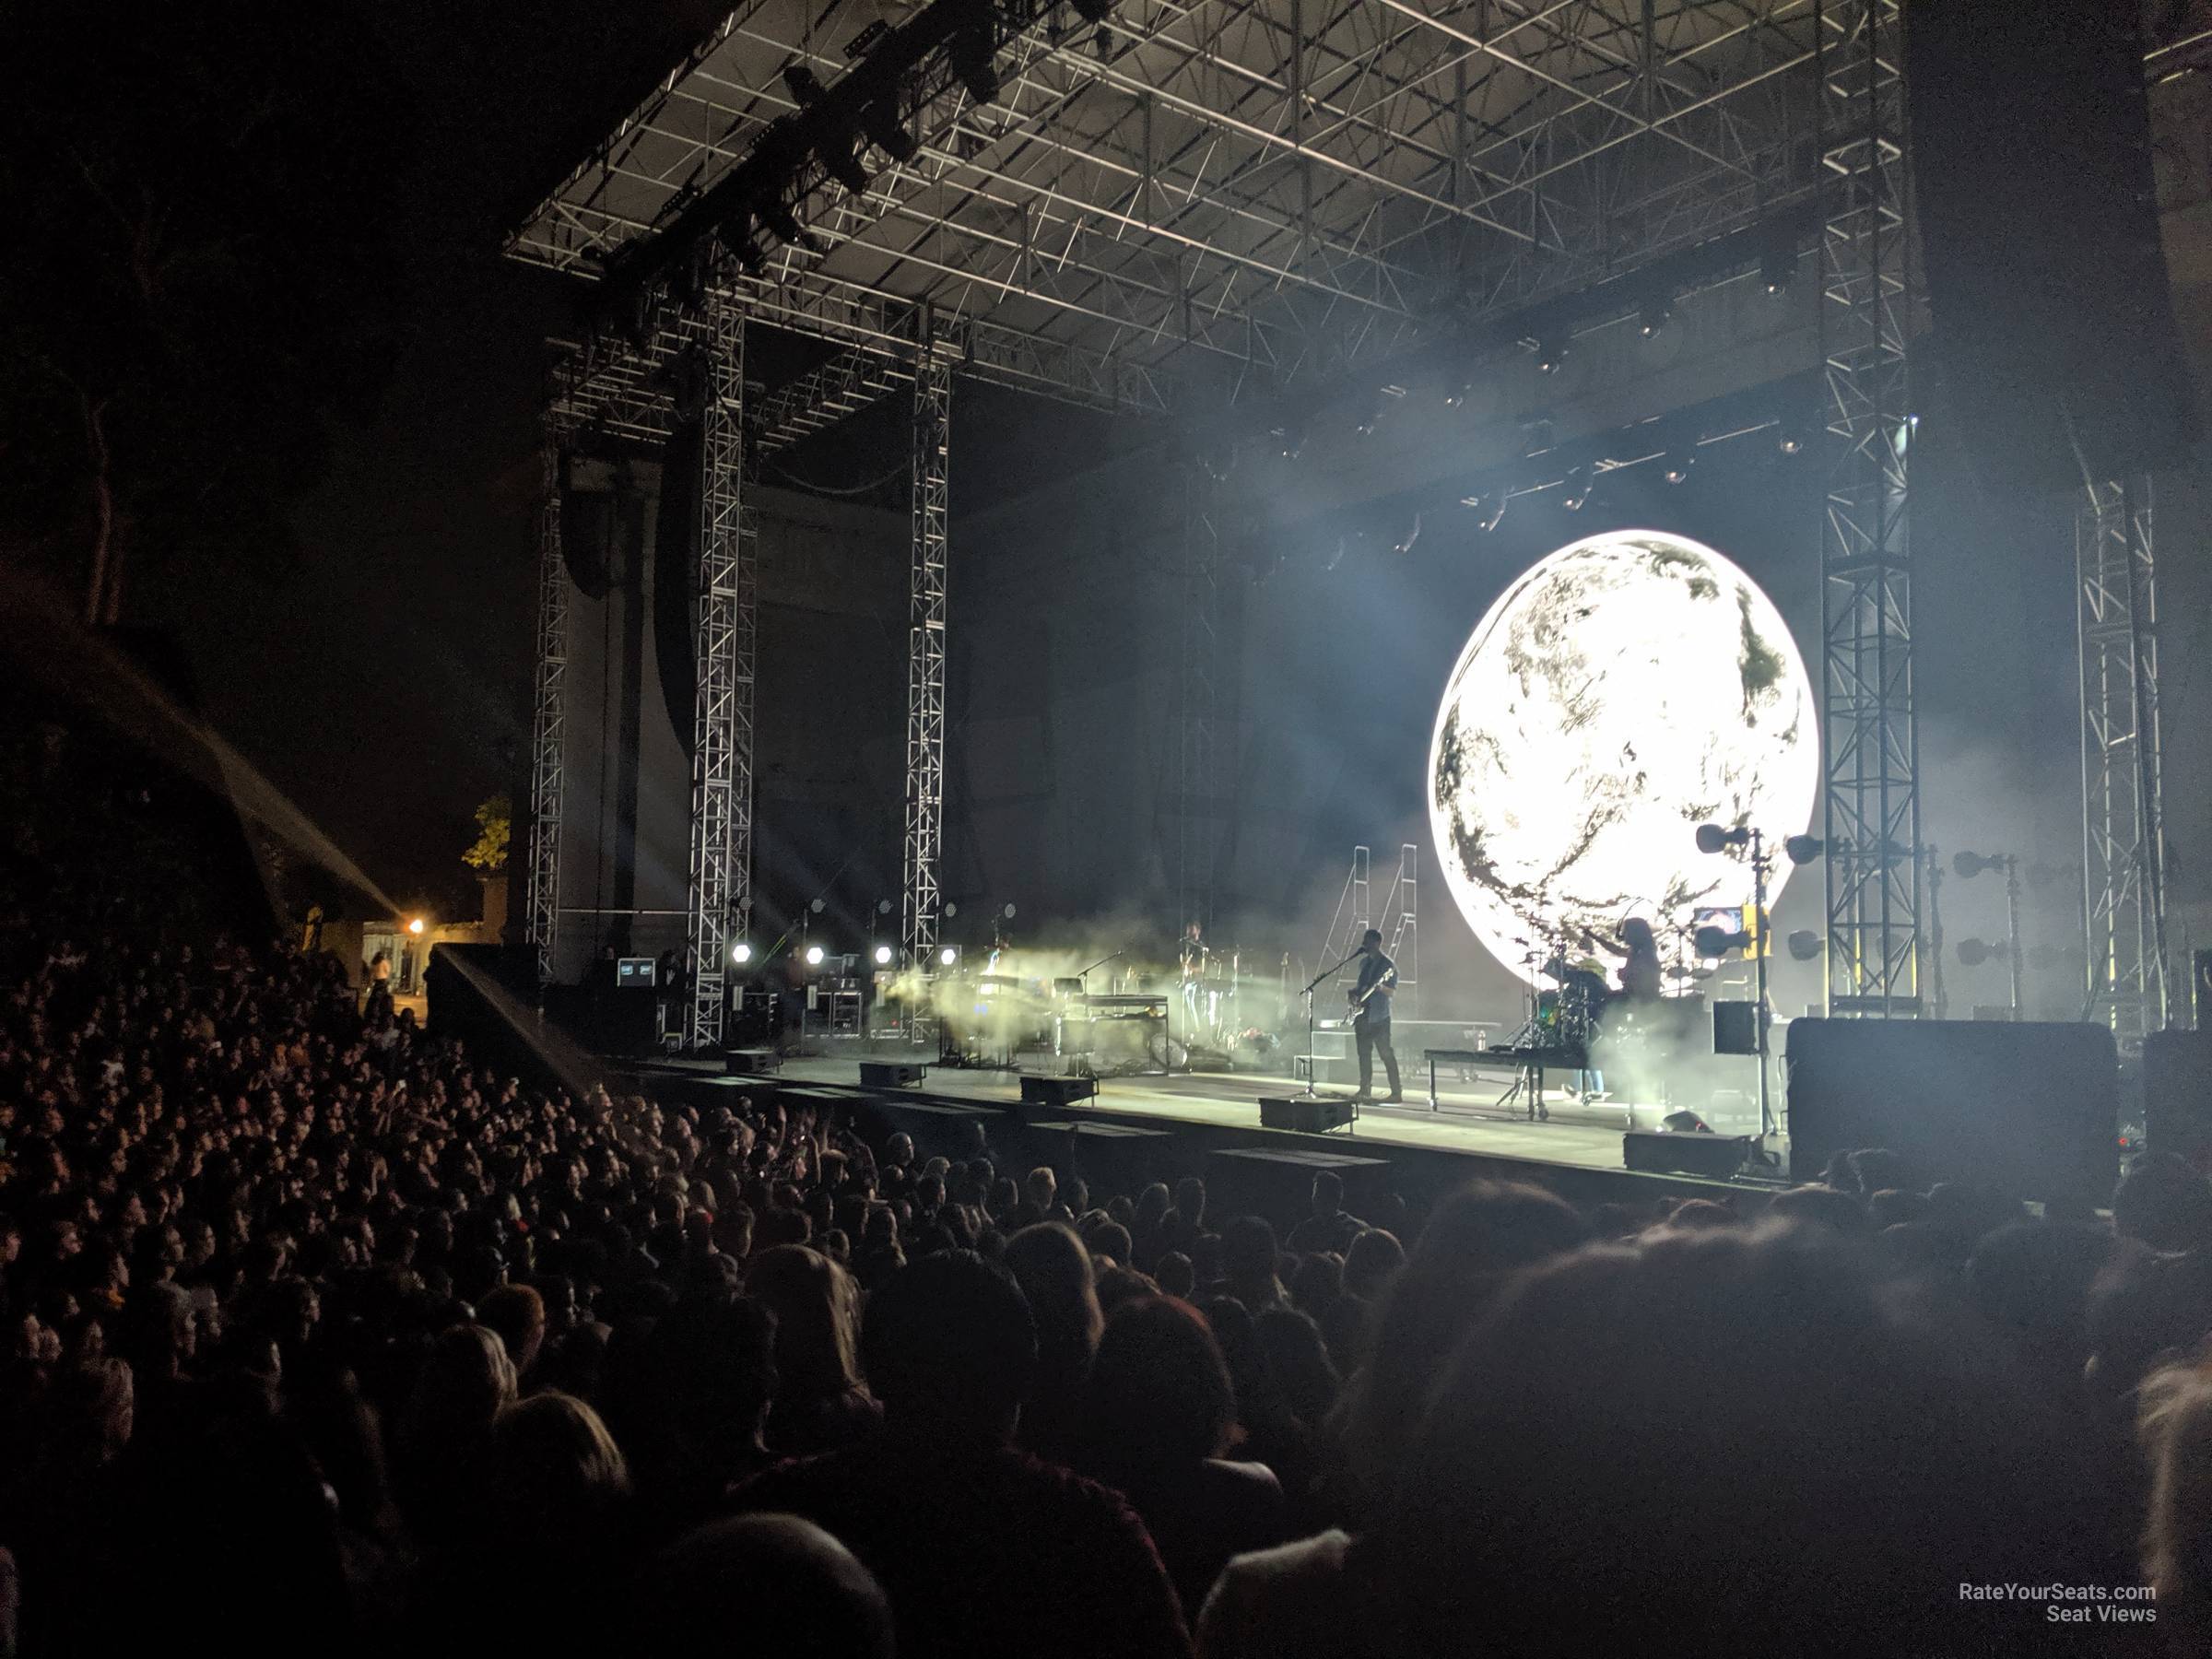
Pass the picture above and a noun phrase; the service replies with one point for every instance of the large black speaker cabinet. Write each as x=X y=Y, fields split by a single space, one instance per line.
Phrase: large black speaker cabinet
x=2030 y=1109
x=1314 y=1114
x=2031 y=171
x=2176 y=1095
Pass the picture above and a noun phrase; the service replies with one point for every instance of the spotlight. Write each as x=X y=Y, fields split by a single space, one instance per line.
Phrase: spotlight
x=1711 y=838
x=1405 y=543
x=1719 y=941
x=1094 y=11
x=1552 y=352
x=1576 y=490
x=1793 y=436
x=1971 y=864
x=778 y=219
x=801 y=82
x=1458 y=383
x=415 y=927
x=841 y=159
x=814 y=956
x=1804 y=946
x=741 y=953
x=950 y=955
x=883 y=955
x=1972 y=953
x=971 y=52
x=1495 y=516
x=1658 y=312
x=1777 y=269
x=1804 y=849
x=880 y=123
x=1291 y=439
x=1677 y=467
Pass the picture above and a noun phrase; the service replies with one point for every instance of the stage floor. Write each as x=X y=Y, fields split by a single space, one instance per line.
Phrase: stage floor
x=1466 y=1119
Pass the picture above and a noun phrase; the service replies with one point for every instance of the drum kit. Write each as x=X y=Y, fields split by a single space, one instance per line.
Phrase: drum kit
x=1565 y=1015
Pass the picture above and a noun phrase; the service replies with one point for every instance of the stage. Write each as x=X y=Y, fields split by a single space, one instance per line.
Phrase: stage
x=1466 y=1136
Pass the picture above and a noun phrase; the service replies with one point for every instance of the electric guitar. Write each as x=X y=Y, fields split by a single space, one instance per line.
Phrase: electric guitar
x=1357 y=1000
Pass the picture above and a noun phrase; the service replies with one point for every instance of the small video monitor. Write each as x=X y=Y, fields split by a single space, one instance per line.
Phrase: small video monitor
x=634 y=972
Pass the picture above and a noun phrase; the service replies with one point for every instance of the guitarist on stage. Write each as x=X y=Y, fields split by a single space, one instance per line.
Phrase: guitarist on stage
x=1371 y=1016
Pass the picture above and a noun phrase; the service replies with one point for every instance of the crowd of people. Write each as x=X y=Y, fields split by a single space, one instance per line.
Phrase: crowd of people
x=324 y=1340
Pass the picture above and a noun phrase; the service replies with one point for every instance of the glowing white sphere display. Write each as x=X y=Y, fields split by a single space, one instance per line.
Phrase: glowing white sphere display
x=1624 y=690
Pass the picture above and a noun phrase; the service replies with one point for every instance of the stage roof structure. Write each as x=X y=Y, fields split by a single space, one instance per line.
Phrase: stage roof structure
x=1173 y=204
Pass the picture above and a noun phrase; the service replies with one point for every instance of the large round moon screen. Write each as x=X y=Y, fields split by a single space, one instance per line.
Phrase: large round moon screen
x=1620 y=692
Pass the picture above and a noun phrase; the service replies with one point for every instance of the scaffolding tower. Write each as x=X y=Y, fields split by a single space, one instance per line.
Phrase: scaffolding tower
x=1872 y=812
x=2122 y=828
x=1200 y=784
x=548 y=723
x=925 y=844
x=721 y=756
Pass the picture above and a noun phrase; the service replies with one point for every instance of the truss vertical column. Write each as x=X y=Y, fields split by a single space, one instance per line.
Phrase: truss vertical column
x=1871 y=745
x=2123 y=828
x=549 y=724
x=1198 y=778
x=722 y=761
x=925 y=655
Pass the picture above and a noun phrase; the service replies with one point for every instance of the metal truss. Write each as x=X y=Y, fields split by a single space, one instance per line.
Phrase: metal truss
x=1871 y=747
x=549 y=724
x=2122 y=828
x=722 y=761
x=925 y=659
x=1236 y=194
x=1204 y=775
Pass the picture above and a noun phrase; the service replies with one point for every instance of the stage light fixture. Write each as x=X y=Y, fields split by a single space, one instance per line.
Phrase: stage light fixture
x=1711 y=838
x=1291 y=439
x=1658 y=312
x=1458 y=383
x=777 y=217
x=841 y=159
x=1576 y=490
x=879 y=121
x=1968 y=865
x=803 y=84
x=1094 y=11
x=1552 y=352
x=1794 y=435
x=1495 y=516
x=1804 y=946
x=741 y=953
x=814 y=956
x=1677 y=467
x=948 y=955
x=1972 y=953
x=415 y=927
x=883 y=955
x=1712 y=941
x=1777 y=269
x=736 y=235
x=972 y=52
x=1804 y=849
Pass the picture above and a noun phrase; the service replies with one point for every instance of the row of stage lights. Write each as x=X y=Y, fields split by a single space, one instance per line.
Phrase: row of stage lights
x=741 y=954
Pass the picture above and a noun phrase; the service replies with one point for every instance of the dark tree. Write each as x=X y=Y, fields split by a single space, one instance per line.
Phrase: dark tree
x=198 y=284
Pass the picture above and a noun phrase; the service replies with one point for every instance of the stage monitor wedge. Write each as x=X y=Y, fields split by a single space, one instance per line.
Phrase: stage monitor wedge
x=1312 y=1114
x=2030 y=1109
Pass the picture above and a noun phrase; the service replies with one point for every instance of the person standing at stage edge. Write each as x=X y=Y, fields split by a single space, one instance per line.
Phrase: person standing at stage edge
x=1371 y=1016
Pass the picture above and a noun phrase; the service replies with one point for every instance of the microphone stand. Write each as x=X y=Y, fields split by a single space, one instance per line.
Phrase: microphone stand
x=1313 y=1064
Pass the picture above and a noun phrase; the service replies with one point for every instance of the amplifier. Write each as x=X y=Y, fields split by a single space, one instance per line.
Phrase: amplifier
x=1312 y=1113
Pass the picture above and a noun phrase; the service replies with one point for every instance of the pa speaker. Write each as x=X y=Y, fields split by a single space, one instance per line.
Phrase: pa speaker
x=890 y=1074
x=2053 y=322
x=751 y=1063
x=1313 y=1114
x=2176 y=1095
x=2029 y=1107
x=1054 y=1093
x=1716 y=1157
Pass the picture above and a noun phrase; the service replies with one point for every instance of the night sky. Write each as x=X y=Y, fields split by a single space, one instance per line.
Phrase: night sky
x=382 y=682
